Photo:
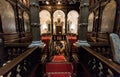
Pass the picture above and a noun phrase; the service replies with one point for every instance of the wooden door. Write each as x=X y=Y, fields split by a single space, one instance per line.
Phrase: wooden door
x=58 y=29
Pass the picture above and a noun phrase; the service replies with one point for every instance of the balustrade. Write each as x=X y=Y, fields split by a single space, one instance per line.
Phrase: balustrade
x=102 y=48
x=97 y=64
x=23 y=64
x=14 y=49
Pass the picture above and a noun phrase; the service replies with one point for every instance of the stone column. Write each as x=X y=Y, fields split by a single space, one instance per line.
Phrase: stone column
x=83 y=23
x=35 y=23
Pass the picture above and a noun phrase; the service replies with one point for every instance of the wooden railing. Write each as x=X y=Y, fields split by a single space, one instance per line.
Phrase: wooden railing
x=51 y=43
x=102 y=48
x=96 y=64
x=97 y=37
x=68 y=49
x=72 y=39
x=11 y=50
x=50 y=50
x=58 y=37
x=14 y=49
x=23 y=64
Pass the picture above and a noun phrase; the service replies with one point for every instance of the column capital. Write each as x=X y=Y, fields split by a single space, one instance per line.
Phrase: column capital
x=79 y=43
x=37 y=43
x=35 y=4
x=81 y=24
x=84 y=5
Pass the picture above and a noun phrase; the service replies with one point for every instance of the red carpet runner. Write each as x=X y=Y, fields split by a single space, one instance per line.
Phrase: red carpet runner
x=59 y=58
x=59 y=67
x=59 y=75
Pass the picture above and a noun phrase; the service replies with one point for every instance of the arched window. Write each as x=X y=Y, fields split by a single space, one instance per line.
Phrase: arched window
x=72 y=21
x=45 y=21
x=7 y=17
x=90 y=22
x=26 y=22
x=108 y=17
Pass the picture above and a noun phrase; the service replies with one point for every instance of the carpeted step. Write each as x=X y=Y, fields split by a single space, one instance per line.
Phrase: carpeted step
x=59 y=58
x=59 y=67
x=59 y=74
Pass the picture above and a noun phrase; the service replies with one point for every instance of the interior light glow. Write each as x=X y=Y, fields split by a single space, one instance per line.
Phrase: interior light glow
x=47 y=2
x=59 y=2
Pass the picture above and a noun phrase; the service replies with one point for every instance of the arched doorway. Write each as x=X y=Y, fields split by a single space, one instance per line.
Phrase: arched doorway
x=45 y=21
x=58 y=22
x=72 y=22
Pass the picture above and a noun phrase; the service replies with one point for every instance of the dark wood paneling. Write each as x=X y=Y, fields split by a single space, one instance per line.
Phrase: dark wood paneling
x=14 y=37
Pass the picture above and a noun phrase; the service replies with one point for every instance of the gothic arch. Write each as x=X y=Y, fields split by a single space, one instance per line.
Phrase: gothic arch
x=90 y=22
x=26 y=21
x=108 y=17
x=59 y=15
x=45 y=21
x=7 y=17
x=72 y=21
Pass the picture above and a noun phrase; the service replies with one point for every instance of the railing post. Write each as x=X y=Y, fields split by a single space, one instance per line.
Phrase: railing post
x=2 y=54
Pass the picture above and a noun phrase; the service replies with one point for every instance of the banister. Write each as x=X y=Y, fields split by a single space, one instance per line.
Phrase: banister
x=114 y=66
x=14 y=62
x=98 y=44
x=16 y=44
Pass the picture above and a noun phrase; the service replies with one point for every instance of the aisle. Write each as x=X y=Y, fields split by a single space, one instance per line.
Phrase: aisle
x=59 y=67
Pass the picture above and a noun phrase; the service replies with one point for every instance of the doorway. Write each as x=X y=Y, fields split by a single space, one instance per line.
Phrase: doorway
x=59 y=22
